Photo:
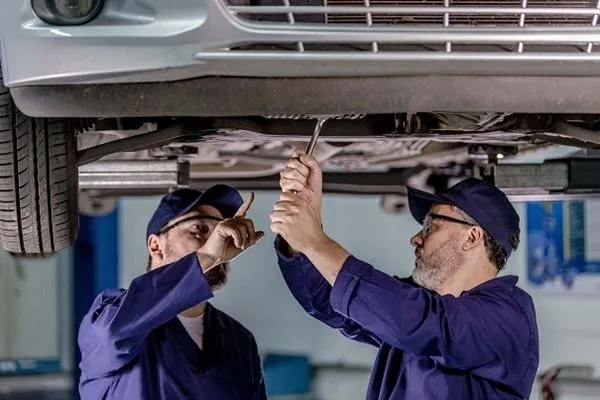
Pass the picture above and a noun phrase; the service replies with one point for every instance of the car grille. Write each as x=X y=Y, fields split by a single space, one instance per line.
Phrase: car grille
x=540 y=26
x=480 y=13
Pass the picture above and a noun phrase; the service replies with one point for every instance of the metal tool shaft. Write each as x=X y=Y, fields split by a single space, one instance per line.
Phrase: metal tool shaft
x=313 y=140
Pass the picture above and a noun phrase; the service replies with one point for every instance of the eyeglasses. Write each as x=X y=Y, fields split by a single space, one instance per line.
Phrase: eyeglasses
x=199 y=226
x=426 y=229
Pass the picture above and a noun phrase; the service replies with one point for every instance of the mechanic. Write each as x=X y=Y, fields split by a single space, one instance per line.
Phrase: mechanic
x=161 y=338
x=453 y=330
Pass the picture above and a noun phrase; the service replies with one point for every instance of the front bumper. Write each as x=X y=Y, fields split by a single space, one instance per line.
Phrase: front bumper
x=171 y=40
x=142 y=57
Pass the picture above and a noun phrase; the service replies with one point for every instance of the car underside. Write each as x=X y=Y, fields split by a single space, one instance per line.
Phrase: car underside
x=140 y=97
x=360 y=153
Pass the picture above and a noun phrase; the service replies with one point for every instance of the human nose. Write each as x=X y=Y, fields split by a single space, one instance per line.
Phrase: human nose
x=417 y=239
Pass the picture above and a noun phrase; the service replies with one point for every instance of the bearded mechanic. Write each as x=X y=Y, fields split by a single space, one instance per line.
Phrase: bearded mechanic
x=454 y=329
x=161 y=338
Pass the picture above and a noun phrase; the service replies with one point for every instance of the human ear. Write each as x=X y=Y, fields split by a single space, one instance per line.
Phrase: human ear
x=155 y=247
x=474 y=238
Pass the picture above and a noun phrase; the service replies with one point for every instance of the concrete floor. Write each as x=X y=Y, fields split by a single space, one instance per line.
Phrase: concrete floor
x=37 y=387
x=58 y=395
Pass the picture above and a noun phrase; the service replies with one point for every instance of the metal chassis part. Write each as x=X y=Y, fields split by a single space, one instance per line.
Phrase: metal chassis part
x=570 y=178
x=146 y=175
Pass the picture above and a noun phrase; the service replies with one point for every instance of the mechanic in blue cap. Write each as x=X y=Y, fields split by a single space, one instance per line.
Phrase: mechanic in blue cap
x=454 y=330
x=161 y=338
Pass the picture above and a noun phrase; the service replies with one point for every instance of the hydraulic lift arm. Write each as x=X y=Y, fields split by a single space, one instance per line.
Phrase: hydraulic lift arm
x=577 y=177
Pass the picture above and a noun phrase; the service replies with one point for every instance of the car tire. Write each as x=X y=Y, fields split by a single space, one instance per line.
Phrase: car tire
x=38 y=181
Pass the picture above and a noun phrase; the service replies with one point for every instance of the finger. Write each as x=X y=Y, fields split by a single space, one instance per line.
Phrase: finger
x=243 y=230
x=251 y=232
x=297 y=153
x=288 y=185
x=280 y=206
x=284 y=217
x=277 y=216
x=288 y=196
x=296 y=165
x=234 y=234
x=274 y=216
x=286 y=207
x=293 y=174
x=311 y=163
x=277 y=228
x=241 y=212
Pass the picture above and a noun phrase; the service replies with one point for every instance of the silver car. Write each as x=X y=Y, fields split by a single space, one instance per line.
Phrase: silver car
x=101 y=98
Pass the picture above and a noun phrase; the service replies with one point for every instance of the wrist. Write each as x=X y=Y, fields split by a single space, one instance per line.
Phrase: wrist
x=319 y=243
x=328 y=257
x=207 y=261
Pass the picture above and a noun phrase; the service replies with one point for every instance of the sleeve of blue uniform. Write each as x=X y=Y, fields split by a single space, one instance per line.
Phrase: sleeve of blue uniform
x=472 y=332
x=312 y=291
x=114 y=330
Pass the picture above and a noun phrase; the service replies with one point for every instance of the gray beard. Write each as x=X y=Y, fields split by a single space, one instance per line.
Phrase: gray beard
x=433 y=271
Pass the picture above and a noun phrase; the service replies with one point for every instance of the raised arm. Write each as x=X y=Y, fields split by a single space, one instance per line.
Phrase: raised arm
x=313 y=292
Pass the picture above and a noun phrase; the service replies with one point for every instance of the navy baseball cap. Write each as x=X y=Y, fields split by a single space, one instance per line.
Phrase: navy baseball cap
x=222 y=197
x=484 y=202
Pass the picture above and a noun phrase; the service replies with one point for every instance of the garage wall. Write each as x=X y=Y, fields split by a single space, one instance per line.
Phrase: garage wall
x=257 y=296
x=29 y=308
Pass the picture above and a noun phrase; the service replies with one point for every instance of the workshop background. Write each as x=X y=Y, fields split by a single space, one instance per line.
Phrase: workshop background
x=42 y=300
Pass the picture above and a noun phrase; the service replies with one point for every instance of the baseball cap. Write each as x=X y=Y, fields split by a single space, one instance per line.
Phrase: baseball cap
x=485 y=203
x=175 y=204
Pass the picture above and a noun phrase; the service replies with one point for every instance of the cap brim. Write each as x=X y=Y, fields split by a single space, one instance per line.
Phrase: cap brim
x=224 y=198
x=420 y=202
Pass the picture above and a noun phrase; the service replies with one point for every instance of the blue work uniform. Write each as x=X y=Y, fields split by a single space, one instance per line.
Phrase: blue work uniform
x=133 y=345
x=481 y=345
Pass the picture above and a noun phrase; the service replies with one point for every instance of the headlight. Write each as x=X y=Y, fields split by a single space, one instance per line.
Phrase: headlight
x=67 y=12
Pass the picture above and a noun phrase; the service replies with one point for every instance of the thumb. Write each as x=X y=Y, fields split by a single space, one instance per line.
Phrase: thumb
x=297 y=153
x=311 y=162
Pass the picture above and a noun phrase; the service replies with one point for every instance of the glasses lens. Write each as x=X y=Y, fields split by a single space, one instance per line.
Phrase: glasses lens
x=200 y=227
x=426 y=225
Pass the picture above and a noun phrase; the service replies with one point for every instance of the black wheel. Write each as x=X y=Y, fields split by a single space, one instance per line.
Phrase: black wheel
x=38 y=181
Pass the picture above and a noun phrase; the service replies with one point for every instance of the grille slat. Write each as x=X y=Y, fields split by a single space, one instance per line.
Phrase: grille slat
x=334 y=6
x=590 y=46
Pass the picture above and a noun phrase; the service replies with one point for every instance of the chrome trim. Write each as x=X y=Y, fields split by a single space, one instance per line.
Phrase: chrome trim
x=445 y=11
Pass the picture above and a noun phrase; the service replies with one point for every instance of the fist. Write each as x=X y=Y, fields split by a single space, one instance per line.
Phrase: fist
x=302 y=175
x=296 y=222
